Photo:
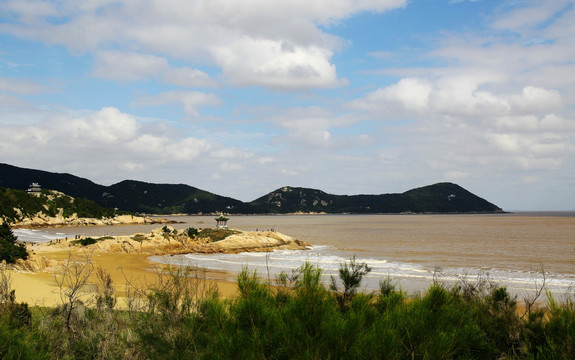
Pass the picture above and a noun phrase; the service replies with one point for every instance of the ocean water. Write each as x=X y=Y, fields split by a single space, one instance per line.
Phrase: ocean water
x=512 y=250
x=37 y=235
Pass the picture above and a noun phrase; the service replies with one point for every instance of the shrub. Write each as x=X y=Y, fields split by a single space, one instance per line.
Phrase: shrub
x=85 y=242
x=214 y=235
x=350 y=273
x=550 y=334
x=192 y=232
x=182 y=316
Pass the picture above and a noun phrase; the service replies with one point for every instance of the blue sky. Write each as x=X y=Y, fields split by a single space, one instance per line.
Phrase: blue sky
x=242 y=97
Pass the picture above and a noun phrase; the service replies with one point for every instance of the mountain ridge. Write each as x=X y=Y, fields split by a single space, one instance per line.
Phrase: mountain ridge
x=144 y=197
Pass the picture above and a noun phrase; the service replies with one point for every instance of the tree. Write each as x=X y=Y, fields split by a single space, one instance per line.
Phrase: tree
x=10 y=250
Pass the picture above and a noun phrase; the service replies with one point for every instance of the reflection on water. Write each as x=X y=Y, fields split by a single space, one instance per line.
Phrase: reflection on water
x=410 y=248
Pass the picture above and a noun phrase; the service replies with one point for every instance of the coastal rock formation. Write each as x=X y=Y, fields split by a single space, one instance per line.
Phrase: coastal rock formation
x=166 y=241
x=262 y=241
x=41 y=219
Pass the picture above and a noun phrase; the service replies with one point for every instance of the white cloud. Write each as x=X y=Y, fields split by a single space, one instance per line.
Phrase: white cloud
x=130 y=66
x=275 y=44
x=191 y=100
x=188 y=77
x=108 y=125
x=268 y=63
x=408 y=96
x=536 y=100
x=110 y=144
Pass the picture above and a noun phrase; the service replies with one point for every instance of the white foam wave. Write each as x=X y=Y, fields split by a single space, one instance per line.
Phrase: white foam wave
x=329 y=260
x=36 y=236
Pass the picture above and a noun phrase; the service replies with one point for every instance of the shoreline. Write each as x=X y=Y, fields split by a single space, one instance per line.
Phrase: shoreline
x=520 y=275
x=40 y=288
x=127 y=261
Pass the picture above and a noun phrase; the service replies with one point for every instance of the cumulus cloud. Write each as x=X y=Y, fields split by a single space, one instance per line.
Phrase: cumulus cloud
x=407 y=96
x=458 y=124
x=84 y=143
x=276 y=44
x=536 y=100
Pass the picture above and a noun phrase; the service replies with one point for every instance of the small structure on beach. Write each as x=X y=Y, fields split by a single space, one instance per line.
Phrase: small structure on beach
x=222 y=222
x=34 y=188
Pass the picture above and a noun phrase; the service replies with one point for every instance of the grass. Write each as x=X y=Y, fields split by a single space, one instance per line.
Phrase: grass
x=214 y=235
x=182 y=316
x=139 y=237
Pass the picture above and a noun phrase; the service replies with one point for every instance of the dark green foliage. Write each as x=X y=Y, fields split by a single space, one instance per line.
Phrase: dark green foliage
x=192 y=232
x=437 y=198
x=17 y=343
x=180 y=318
x=551 y=334
x=15 y=322
x=85 y=242
x=11 y=199
x=10 y=250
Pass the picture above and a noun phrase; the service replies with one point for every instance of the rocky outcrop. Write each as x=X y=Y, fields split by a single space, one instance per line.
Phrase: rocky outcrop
x=166 y=240
x=262 y=241
x=42 y=220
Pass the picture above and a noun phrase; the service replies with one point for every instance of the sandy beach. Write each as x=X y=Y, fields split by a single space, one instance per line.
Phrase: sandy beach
x=40 y=288
x=39 y=280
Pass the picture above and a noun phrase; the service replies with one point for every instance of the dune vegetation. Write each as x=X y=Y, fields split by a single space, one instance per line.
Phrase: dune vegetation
x=295 y=316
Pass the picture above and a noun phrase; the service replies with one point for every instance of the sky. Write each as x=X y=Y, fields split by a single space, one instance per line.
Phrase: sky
x=241 y=97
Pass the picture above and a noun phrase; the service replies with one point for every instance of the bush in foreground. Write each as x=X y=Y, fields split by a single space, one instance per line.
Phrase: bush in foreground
x=183 y=316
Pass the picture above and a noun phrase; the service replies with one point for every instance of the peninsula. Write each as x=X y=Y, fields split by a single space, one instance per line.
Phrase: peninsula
x=125 y=258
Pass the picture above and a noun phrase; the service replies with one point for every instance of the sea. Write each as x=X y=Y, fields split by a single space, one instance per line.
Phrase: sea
x=521 y=251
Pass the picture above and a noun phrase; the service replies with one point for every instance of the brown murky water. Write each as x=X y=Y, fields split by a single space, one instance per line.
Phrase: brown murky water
x=510 y=248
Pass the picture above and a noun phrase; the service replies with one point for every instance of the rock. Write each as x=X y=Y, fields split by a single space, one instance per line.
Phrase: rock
x=162 y=242
x=42 y=220
x=252 y=242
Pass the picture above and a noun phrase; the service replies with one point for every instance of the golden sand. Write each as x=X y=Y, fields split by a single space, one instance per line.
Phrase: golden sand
x=41 y=287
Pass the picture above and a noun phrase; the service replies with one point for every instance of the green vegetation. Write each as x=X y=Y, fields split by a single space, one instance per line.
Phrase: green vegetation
x=89 y=240
x=85 y=241
x=214 y=235
x=10 y=250
x=437 y=198
x=182 y=316
x=16 y=204
x=192 y=232
x=17 y=199
x=139 y=237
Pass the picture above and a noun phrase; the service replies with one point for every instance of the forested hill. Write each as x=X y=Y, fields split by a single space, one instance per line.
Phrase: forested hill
x=16 y=205
x=437 y=198
x=151 y=198
x=128 y=195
